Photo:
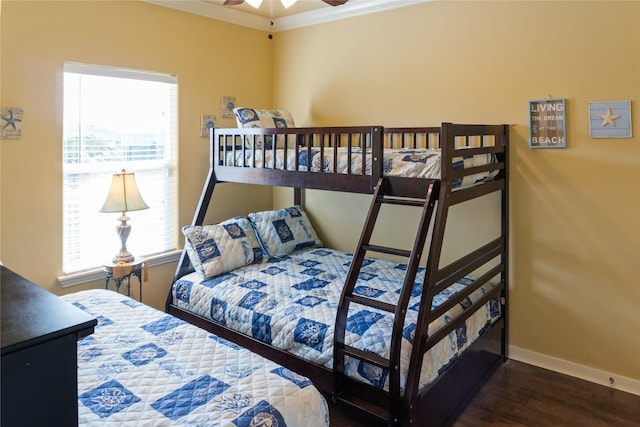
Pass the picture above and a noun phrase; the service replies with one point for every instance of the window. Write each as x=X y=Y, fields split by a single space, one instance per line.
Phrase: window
x=117 y=119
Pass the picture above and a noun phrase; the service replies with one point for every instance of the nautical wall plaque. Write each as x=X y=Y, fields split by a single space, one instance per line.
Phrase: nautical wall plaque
x=610 y=119
x=547 y=123
x=11 y=123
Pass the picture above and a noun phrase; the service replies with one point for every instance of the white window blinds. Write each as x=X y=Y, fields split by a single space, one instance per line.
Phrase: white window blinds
x=117 y=119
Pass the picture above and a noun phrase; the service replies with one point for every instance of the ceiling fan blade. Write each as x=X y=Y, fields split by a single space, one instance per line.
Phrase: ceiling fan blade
x=335 y=2
x=233 y=2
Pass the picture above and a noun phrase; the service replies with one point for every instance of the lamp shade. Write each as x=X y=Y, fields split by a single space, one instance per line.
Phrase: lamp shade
x=124 y=195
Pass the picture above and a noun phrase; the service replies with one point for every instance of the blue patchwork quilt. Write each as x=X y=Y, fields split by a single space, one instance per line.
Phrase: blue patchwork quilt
x=291 y=303
x=143 y=367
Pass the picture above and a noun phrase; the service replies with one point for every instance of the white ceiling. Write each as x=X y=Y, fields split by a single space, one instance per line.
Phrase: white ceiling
x=271 y=16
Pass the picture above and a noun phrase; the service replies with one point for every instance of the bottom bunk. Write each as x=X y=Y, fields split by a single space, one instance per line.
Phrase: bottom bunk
x=290 y=303
x=285 y=309
x=144 y=367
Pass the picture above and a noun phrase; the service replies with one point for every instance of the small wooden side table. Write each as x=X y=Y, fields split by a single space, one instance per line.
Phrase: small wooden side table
x=120 y=273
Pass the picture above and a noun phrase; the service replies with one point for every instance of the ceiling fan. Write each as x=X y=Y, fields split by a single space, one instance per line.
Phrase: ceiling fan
x=285 y=3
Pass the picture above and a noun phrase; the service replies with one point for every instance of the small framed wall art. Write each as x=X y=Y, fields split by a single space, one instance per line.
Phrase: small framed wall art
x=547 y=123
x=10 y=123
x=610 y=119
x=207 y=122
x=228 y=104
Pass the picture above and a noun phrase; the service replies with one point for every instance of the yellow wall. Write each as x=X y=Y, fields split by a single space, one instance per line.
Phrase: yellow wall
x=39 y=36
x=575 y=237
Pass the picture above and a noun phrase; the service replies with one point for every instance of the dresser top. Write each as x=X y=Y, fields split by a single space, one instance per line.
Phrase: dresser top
x=31 y=314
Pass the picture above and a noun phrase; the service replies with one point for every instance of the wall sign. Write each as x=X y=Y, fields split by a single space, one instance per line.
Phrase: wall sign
x=11 y=123
x=547 y=123
x=610 y=119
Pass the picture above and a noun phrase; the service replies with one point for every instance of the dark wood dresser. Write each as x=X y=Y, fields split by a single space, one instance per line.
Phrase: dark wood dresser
x=39 y=382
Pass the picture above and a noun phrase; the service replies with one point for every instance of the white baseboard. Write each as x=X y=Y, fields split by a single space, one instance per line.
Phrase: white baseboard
x=597 y=376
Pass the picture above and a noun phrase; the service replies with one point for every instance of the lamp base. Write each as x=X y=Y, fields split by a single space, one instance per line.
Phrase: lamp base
x=125 y=257
x=123 y=229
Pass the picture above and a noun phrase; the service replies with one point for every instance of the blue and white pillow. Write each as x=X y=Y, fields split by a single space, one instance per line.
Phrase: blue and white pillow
x=252 y=118
x=219 y=248
x=284 y=230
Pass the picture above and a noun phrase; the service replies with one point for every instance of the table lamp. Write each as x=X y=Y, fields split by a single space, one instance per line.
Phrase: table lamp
x=123 y=197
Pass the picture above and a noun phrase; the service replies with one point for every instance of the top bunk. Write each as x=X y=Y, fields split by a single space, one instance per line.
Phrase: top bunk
x=467 y=160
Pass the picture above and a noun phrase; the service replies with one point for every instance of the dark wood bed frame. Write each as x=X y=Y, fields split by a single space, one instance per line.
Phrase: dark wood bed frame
x=441 y=401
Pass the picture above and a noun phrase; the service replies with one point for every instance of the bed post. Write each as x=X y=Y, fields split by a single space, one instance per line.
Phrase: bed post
x=504 y=140
x=447 y=143
x=201 y=211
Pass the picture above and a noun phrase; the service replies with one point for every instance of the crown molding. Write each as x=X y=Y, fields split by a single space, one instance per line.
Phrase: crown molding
x=223 y=13
x=348 y=10
x=215 y=11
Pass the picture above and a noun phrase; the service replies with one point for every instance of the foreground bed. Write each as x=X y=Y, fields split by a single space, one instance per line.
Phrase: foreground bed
x=410 y=348
x=143 y=367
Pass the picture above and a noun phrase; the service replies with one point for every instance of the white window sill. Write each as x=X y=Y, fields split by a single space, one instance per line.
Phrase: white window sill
x=86 y=276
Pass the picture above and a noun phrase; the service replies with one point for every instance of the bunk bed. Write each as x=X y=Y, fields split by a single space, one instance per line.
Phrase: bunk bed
x=144 y=367
x=397 y=367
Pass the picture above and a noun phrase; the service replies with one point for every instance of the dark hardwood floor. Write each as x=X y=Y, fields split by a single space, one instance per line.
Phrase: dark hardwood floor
x=523 y=395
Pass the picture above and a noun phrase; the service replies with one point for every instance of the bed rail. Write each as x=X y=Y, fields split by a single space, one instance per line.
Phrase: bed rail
x=464 y=141
x=351 y=159
x=250 y=155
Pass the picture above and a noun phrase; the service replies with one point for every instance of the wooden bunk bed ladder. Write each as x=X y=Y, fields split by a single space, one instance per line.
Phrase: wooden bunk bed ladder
x=386 y=406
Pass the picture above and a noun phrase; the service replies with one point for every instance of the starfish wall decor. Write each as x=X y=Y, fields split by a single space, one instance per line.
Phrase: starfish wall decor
x=610 y=119
x=11 y=123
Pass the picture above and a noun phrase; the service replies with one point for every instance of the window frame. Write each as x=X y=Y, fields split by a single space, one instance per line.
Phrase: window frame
x=166 y=163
